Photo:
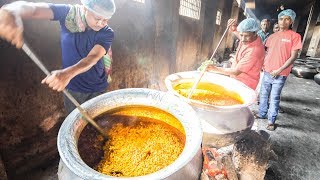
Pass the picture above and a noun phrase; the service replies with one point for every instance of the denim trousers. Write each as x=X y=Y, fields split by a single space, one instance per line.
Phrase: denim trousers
x=80 y=97
x=270 y=87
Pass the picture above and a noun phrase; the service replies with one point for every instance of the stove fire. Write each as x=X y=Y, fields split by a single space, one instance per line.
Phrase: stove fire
x=246 y=159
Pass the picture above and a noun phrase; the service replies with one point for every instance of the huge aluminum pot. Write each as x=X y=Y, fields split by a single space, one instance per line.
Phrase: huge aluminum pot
x=304 y=71
x=317 y=78
x=187 y=166
x=222 y=125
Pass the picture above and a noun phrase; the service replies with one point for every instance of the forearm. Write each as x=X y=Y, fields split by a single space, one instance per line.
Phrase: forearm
x=59 y=79
x=96 y=53
x=82 y=66
x=290 y=61
x=29 y=10
x=287 y=64
x=236 y=33
x=228 y=71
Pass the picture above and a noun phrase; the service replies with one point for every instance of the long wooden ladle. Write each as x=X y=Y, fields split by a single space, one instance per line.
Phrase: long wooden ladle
x=196 y=81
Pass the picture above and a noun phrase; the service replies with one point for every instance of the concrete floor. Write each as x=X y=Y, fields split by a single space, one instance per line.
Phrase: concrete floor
x=296 y=139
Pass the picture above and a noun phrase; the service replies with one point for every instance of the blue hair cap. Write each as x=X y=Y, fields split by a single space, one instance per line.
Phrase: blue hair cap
x=248 y=25
x=104 y=8
x=287 y=12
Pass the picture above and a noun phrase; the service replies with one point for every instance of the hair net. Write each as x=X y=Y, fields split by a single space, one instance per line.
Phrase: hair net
x=248 y=25
x=104 y=8
x=287 y=12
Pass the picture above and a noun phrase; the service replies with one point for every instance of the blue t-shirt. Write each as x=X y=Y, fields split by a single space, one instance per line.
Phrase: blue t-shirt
x=76 y=46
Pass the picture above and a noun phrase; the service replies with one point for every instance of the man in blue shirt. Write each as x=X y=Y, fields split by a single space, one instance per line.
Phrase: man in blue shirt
x=264 y=32
x=85 y=40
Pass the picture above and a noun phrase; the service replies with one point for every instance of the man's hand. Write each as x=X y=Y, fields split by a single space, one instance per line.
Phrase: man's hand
x=232 y=58
x=275 y=73
x=57 y=80
x=211 y=67
x=11 y=27
x=232 y=25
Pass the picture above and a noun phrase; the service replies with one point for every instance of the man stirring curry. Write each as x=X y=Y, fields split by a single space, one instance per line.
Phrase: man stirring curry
x=249 y=56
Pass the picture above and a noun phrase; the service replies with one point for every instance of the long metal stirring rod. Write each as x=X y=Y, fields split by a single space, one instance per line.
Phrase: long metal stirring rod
x=196 y=82
x=86 y=116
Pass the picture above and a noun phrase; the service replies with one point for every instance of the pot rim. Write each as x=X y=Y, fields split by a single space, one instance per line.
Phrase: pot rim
x=67 y=136
x=190 y=74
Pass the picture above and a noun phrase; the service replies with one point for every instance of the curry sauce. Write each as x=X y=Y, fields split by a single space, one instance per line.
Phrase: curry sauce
x=210 y=93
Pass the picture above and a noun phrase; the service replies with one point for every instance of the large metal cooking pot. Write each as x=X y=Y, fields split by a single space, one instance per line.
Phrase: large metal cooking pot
x=300 y=62
x=317 y=78
x=304 y=71
x=187 y=166
x=221 y=125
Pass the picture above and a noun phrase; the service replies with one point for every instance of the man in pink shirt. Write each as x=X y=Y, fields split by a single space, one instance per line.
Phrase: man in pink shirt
x=282 y=50
x=249 y=56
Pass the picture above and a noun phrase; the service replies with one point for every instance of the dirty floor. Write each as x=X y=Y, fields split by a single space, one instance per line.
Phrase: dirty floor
x=297 y=137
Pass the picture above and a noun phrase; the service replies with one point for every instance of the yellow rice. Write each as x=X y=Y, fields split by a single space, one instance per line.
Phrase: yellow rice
x=140 y=149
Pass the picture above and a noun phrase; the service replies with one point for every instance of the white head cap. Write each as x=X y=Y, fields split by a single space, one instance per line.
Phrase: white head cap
x=104 y=8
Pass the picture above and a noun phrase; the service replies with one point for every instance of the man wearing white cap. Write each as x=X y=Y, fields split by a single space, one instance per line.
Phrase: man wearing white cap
x=282 y=50
x=85 y=40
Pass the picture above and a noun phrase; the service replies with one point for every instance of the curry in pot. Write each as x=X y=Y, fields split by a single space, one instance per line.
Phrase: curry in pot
x=142 y=140
x=210 y=93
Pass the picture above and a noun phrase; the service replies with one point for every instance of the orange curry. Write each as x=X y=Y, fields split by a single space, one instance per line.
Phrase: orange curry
x=210 y=93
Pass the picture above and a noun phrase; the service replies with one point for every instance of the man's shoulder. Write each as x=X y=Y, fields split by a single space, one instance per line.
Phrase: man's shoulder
x=260 y=33
x=295 y=34
x=107 y=29
x=272 y=34
x=258 y=47
x=60 y=11
x=276 y=36
x=257 y=42
x=60 y=6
